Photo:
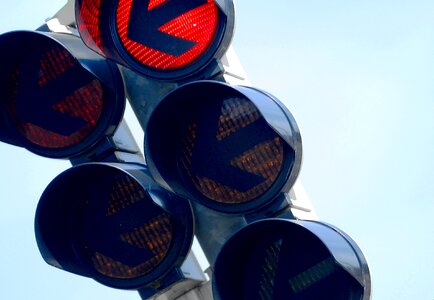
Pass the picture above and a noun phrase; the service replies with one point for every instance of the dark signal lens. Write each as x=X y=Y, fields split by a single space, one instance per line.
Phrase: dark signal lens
x=111 y=222
x=287 y=259
x=57 y=97
x=246 y=155
x=129 y=237
x=234 y=149
x=84 y=105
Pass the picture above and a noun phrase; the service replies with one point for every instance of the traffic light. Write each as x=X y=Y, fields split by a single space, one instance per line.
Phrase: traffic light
x=60 y=99
x=112 y=223
x=165 y=39
x=232 y=149
x=287 y=259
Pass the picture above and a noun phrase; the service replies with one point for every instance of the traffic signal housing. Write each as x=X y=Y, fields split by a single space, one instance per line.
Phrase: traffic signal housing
x=58 y=99
x=166 y=40
x=287 y=259
x=112 y=223
x=233 y=149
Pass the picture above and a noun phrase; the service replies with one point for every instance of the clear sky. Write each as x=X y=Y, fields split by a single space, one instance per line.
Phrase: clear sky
x=358 y=77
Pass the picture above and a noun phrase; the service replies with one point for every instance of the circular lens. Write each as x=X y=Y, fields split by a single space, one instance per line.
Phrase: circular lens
x=233 y=149
x=282 y=259
x=45 y=112
x=166 y=35
x=122 y=233
x=228 y=152
x=112 y=223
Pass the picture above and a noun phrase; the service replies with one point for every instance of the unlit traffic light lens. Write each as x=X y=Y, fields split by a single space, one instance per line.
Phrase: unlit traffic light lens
x=229 y=153
x=57 y=97
x=66 y=121
x=127 y=236
x=111 y=222
x=233 y=149
x=292 y=260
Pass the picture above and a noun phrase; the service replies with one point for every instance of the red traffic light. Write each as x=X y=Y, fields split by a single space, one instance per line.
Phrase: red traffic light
x=165 y=39
x=287 y=259
x=234 y=149
x=112 y=223
x=57 y=98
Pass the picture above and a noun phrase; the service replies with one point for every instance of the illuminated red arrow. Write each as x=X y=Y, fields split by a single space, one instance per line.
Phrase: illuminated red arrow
x=144 y=24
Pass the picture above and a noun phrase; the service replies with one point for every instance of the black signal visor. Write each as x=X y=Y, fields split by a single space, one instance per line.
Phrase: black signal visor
x=112 y=223
x=233 y=149
x=57 y=98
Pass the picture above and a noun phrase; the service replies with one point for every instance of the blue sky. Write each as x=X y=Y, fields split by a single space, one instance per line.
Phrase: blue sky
x=357 y=76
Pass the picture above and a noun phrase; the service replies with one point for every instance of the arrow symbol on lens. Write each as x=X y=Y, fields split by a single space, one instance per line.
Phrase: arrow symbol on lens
x=34 y=104
x=103 y=233
x=144 y=24
x=211 y=158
